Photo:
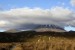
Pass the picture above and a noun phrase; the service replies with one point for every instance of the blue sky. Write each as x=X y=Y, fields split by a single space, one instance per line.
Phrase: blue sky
x=43 y=4
x=68 y=28
x=8 y=4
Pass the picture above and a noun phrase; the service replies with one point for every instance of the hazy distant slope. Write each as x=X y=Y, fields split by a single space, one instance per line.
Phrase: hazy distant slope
x=12 y=31
x=38 y=28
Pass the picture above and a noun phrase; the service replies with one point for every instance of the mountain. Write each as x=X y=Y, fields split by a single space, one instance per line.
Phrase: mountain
x=37 y=28
x=12 y=31
x=55 y=28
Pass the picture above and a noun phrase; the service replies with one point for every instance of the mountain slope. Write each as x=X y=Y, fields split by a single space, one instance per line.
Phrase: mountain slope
x=38 y=28
x=55 y=28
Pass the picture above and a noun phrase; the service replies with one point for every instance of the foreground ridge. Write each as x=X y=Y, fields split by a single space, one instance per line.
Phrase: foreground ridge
x=31 y=40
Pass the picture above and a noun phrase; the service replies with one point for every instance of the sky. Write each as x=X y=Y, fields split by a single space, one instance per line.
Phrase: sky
x=15 y=13
x=45 y=4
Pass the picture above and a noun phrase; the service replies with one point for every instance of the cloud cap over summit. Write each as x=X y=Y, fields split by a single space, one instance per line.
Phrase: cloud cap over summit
x=56 y=15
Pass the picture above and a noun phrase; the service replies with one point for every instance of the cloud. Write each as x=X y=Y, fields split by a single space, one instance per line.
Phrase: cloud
x=72 y=2
x=56 y=15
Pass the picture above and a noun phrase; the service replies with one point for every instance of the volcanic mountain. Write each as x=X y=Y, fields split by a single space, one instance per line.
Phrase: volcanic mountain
x=54 y=28
x=38 y=28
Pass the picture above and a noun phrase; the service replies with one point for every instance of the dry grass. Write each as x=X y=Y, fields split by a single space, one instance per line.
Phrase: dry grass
x=42 y=42
x=51 y=43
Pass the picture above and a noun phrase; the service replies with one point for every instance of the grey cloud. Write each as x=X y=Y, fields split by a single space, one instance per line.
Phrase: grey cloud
x=56 y=15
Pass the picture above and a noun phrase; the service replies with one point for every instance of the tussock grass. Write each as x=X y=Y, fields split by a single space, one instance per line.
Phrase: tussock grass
x=41 y=42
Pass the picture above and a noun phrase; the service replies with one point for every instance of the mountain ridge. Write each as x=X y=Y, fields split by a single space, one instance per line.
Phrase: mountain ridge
x=40 y=27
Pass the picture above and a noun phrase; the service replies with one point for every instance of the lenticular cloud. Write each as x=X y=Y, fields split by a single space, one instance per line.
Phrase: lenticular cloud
x=56 y=15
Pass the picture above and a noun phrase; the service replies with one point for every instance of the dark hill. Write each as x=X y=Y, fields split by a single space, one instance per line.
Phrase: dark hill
x=24 y=35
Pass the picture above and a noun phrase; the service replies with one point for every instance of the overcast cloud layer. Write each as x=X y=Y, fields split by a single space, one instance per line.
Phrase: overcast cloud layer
x=56 y=15
x=72 y=2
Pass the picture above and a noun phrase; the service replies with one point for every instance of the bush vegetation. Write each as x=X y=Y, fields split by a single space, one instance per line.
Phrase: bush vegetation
x=31 y=40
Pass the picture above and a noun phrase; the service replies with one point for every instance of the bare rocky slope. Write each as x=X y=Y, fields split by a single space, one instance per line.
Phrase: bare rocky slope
x=55 y=28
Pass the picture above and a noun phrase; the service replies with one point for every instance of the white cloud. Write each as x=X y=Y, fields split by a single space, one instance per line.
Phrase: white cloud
x=56 y=15
x=72 y=2
x=2 y=23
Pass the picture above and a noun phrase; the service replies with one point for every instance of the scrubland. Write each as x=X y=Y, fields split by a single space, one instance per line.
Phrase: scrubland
x=41 y=42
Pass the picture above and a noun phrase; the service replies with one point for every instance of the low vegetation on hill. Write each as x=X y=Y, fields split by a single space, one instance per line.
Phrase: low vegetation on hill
x=31 y=40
